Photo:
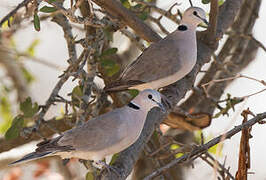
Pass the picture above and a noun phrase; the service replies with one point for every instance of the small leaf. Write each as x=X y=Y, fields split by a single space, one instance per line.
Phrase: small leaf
x=50 y=1
x=89 y=176
x=28 y=76
x=108 y=34
x=31 y=49
x=14 y=130
x=28 y=108
x=213 y=149
x=110 y=67
x=7 y=23
x=36 y=21
x=143 y=16
x=133 y=92
x=6 y=114
x=114 y=157
x=125 y=3
x=48 y=9
x=77 y=93
x=220 y=2
x=197 y=136
x=205 y=1
x=109 y=51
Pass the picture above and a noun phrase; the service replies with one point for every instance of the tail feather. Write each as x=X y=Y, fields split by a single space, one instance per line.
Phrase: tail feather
x=31 y=156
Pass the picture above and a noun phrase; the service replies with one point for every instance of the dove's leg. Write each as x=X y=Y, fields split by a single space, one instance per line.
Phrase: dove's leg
x=109 y=168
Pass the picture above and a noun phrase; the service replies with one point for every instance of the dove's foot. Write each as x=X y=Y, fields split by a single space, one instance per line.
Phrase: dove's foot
x=108 y=167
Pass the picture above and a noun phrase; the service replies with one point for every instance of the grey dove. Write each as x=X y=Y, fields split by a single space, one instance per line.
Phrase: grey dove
x=166 y=61
x=104 y=135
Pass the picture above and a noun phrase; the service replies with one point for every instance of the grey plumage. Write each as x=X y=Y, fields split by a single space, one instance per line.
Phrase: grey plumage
x=101 y=136
x=166 y=61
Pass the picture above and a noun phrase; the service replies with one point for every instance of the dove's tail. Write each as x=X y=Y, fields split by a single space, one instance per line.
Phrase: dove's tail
x=32 y=156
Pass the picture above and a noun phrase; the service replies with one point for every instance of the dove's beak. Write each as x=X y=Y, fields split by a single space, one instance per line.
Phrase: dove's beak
x=205 y=21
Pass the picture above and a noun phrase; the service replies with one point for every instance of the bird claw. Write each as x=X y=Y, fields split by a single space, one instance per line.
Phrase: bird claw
x=108 y=167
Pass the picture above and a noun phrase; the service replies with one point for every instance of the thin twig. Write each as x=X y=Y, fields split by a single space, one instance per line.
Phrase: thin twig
x=13 y=12
x=202 y=148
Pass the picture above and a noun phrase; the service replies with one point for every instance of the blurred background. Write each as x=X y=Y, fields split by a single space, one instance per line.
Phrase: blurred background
x=49 y=50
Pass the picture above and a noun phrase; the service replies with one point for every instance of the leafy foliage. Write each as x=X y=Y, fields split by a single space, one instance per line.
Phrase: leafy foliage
x=199 y=140
x=109 y=66
x=230 y=104
x=6 y=114
x=28 y=108
x=89 y=176
x=36 y=22
x=31 y=49
x=14 y=130
x=48 y=9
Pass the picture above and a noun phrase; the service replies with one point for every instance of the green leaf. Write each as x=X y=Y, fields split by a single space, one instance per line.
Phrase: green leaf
x=28 y=76
x=14 y=130
x=220 y=2
x=108 y=34
x=36 y=22
x=205 y=1
x=48 y=9
x=109 y=51
x=6 y=114
x=89 y=176
x=143 y=16
x=133 y=92
x=125 y=3
x=50 y=1
x=174 y=147
x=114 y=157
x=31 y=49
x=7 y=23
x=28 y=108
x=197 y=136
x=77 y=93
x=110 y=67
x=213 y=149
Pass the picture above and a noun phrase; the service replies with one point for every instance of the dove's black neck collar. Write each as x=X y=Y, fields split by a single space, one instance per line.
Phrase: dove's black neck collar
x=182 y=27
x=134 y=106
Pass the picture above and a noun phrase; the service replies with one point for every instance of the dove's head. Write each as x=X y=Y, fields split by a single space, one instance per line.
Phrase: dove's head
x=147 y=99
x=194 y=16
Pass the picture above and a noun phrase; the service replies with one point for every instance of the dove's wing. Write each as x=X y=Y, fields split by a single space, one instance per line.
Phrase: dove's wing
x=163 y=58
x=97 y=134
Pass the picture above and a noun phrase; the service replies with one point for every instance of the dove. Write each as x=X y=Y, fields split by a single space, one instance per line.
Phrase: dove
x=165 y=62
x=102 y=136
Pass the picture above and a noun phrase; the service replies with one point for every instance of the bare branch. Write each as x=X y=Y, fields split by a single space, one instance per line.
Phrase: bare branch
x=116 y=9
x=213 y=20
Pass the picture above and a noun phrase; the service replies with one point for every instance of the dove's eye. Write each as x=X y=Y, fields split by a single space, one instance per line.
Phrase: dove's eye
x=195 y=13
x=150 y=96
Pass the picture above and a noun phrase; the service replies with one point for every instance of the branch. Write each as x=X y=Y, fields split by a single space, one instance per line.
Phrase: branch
x=116 y=9
x=213 y=20
x=63 y=22
x=202 y=148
